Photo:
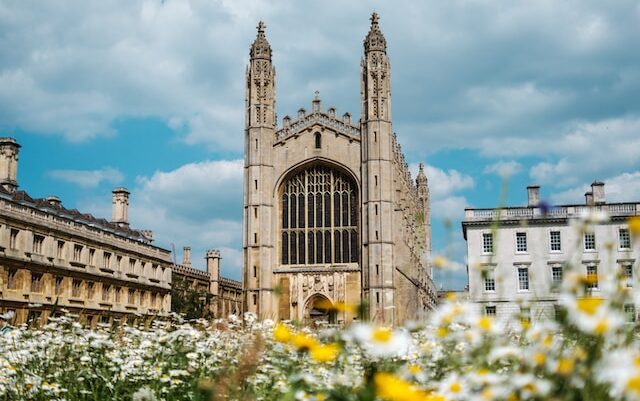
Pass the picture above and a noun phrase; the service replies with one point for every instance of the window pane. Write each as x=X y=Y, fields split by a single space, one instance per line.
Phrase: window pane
x=354 y=246
x=301 y=248
x=312 y=245
x=319 y=249
x=293 y=248
x=310 y=217
x=337 y=254
x=285 y=248
x=354 y=219
x=327 y=247
x=345 y=209
x=301 y=211
x=285 y=211
x=327 y=211
x=336 y=209
x=318 y=210
x=345 y=245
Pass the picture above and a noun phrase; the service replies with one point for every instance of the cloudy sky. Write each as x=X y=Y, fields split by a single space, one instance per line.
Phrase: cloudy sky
x=149 y=95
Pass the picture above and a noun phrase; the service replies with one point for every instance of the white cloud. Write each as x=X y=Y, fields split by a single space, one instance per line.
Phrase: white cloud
x=620 y=188
x=197 y=205
x=504 y=168
x=88 y=178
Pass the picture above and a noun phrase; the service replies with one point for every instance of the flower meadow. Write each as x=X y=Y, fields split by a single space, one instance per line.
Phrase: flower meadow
x=589 y=352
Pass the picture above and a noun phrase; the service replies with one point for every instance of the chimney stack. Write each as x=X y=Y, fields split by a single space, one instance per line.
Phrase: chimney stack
x=597 y=188
x=186 y=256
x=120 y=209
x=54 y=201
x=588 y=198
x=533 y=194
x=9 y=150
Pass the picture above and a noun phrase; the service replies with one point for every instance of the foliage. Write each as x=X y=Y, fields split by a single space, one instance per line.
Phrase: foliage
x=188 y=300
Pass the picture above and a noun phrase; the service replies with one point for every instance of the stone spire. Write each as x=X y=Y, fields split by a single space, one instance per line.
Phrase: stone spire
x=421 y=179
x=375 y=40
x=260 y=47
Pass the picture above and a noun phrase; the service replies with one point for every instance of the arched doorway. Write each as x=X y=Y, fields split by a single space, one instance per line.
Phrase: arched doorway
x=319 y=309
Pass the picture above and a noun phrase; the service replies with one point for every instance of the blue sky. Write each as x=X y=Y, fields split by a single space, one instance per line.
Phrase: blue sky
x=149 y=95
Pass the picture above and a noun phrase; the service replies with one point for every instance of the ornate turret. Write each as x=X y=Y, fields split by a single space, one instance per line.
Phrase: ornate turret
x=421 y=179
x=375 y=40
x=260 y=47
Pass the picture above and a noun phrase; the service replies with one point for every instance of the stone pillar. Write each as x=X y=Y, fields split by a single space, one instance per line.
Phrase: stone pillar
x=533 y=195
x=597 y=189
x=9 y=150
x=120 y=207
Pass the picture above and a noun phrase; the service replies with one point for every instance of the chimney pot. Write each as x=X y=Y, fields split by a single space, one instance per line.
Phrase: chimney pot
x=186 y=256
x=588 y=198
x=120 y=203
x=533 y=195
x=9 y=150
x=597 y=188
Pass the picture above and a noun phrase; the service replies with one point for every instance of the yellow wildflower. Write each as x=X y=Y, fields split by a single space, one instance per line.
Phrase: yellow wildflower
x=325 y=353
x=392 y=388
x=440 y=262
x=539 y=358
x=281 y=333
x=414 y=369
x=484 y=323
x=303 y=342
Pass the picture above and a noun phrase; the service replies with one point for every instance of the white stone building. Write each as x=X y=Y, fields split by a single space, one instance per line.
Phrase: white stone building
x=331 y=213
x=516 y=255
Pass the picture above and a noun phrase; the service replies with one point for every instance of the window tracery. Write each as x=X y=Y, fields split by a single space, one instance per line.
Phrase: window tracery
x=319 y=223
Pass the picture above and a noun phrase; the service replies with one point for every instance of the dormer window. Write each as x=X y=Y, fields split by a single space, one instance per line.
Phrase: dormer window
x=318 y=140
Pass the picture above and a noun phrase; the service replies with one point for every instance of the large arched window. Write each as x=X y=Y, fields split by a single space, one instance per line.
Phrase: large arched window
x=319 y=218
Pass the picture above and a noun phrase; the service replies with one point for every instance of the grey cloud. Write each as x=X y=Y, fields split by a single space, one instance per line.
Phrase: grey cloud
x=88 y=178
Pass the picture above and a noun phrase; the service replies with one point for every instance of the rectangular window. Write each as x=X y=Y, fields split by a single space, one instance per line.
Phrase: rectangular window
x=132 y=265
x=13 y=238
x=554 y=241
x=556 y=276
x=628 y=274
x=589 y=242
x=592 y=277
x=255 y=271
x=36 y=282
x=38 y=240
x=153 y=300
x=118 y=291
x=132 y=297
x=60 y=250
x=12 y=279
x=58 y=286
x=255 y=299
x=76 y=289
x=630 y=312
x=523 y=279
x=91 y=289
x=525 y=315
x=490 y=310
x=625 y=238
x=77 y=253
x=92 y=256
x=521 y=242
x=106 y=292
x=487 y=243
x=106 y=260
x=489 y=281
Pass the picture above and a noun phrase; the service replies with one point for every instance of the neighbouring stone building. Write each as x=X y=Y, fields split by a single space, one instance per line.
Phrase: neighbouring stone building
x=225 y=294
x=331 y=213
x=54 y=258
x=517 y=254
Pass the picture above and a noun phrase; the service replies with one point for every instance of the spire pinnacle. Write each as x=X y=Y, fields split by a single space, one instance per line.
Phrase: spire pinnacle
x=260 y=47
x=375 y=39
x=421 y=179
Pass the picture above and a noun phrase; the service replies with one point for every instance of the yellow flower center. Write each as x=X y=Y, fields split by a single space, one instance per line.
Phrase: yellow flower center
x=455 y=387
x=634 y=225
x=485 y=323
x=602 y=327
x=303 y=342
x=442 y=332
x=634 y=384
x=414 y=369
x=589 y=305
x=382 y=334
x=539 y=358
x=565 y=366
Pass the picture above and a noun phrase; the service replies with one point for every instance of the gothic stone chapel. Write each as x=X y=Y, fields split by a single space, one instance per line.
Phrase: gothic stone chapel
x=331 y=213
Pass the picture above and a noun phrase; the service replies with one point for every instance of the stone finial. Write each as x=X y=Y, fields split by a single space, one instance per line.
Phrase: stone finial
x=375 y=40
x=260 y=49
x=315 y=104
x=54 y=201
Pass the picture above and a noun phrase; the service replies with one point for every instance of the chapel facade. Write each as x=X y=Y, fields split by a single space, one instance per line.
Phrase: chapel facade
x=332 y=215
